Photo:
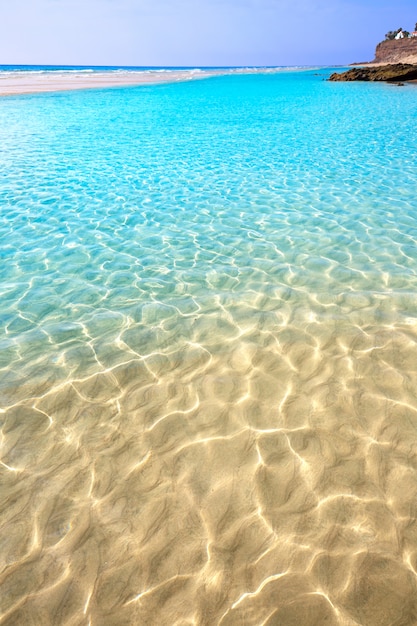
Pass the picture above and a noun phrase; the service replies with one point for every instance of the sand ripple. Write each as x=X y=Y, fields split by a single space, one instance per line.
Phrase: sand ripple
x=250 y=484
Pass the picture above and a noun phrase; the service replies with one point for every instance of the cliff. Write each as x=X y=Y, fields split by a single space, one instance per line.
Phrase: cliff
x=396 y=51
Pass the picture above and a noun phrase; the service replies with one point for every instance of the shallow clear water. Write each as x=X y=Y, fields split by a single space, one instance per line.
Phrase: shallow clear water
x=208 y=334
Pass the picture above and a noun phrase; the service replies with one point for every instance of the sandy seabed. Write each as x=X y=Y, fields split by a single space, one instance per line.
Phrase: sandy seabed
x=267 y=481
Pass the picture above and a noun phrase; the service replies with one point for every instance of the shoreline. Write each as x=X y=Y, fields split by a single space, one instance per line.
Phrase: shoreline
x=27 y=83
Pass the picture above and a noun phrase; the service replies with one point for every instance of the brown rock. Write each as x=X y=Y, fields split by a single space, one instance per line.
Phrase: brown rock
x=390 y=73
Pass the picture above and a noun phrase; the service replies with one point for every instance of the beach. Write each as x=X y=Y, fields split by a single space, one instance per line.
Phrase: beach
x=31 y=82
x=208 y=341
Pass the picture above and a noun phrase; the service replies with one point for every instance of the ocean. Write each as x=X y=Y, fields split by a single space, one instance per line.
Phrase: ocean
x=208 y=353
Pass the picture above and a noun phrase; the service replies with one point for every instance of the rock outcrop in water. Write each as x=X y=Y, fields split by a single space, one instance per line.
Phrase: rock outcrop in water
x=389 y=73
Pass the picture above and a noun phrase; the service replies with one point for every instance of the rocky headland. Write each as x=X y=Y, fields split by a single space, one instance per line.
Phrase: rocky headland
x=395 y=61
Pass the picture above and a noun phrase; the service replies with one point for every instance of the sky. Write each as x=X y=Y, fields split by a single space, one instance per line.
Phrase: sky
x=197 y=32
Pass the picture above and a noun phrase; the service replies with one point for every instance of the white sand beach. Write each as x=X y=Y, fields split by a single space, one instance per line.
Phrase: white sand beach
x=31 y=82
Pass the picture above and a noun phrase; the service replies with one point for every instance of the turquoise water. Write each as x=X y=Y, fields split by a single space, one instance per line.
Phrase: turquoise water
x=161 y=202
x=230 y=260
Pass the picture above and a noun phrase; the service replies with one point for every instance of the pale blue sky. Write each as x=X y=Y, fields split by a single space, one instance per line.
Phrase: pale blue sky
x=197 y=32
